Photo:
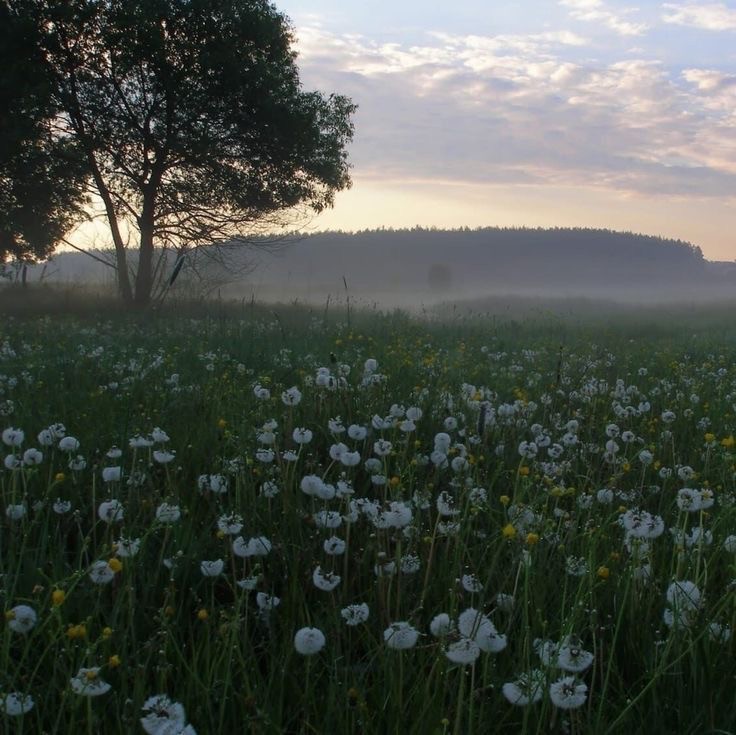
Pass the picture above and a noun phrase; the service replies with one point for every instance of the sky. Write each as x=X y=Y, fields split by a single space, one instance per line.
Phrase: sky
x=590 y=113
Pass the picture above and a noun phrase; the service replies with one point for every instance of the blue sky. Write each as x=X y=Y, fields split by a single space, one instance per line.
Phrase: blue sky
x=539 y=112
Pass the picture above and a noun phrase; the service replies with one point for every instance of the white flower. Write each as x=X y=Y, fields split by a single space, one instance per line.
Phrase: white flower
x=216 y=484
x=127 y=547
x=355 y=614
x=61 y=506
x=309 y=641
x=400 y=636
x=267 y=602
x=471 y=583
x=21 y=618
x=257 y=546
x=325 y=581
x=111 y=474
x=566 y=693
x=684 y=601
x=68 y=444
x=15 y=703
x=139 y=442
x=302 y=436
x=78 y=463
x=12 y=462
x=114 y=453
x=15 y=511
x=13 y=437
x=334 y=546
x=212 y=568
x=528 y=450
x=573 y=658
x=159 y=436
x=382 y=448
x=291 y=396
x=101 y=573
x=729 y=544
x=32 y=457
x=111 y=511
x=163 y=456
x=441 y=625
x=357 y=433
x=167 y=513
x=464 y=652
x=162 y=716
x=230 y=524
x=527 y=689
x=249 y=583
x=88 y=683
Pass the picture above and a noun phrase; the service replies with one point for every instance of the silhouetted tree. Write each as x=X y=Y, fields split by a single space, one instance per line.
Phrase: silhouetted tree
x=191 y=118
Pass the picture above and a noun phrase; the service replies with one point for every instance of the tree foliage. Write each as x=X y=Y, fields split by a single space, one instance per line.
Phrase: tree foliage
x=191 y=118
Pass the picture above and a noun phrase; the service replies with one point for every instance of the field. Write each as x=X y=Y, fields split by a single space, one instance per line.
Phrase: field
x=318 y=521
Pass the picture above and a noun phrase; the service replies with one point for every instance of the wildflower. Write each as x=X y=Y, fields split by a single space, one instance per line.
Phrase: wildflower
x=400 y=636
x=325 y=581
x=32 y=457
x=87 y=683
x=357 y=433
x=115 y=564
x=13 y=437
x=15 y=704
x=334 y=546
x=230 y=524
x=302 y=436
x=729 y=544
x=689 y=500
x=567 y=693
x=61 y=506
x=256 y=546
x=463 y=652
x=15 y=511
x=163 y=456
x=159 y=436
x=101 y=573
x=167 y=513
x=162 y=716
x=441 y=625
x=111 y=474
x=527 y=689
x=471 y=583
x=68 y=444
x=58 y=597
x=216 y=484
x=21 y=618
x=574 y=659
x=683 y=598
x=111 y=511
x=309 y=641
x=355 y=614
x=211 y=568
x=267 y=602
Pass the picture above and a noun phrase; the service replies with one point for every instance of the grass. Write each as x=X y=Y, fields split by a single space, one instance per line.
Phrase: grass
x=538 y=552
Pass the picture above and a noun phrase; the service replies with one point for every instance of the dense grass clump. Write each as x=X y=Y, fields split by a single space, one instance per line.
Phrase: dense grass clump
x=290 y=522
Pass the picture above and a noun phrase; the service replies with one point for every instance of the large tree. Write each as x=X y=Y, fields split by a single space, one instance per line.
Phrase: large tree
x=191 y=118
x=41 y=173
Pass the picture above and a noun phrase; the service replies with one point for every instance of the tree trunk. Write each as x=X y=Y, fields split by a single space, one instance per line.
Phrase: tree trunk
x=144 y=276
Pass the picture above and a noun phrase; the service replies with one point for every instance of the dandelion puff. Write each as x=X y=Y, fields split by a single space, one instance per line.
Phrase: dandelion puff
x=441 y=625
x=211 y=568
x=267 y=602
x=573 y=659
x=111 y=474
x=309 y=641
x=101 y=573
x=15 y=704
x=334 y=546
x=163 y=456
x=167 y=513
x=400 y=636
x=463 y=652
x=127 y=547
x=325 y=581
x=527 y=689
x=471 y=583
x=162 y=716
x=355 y=614
x=567 y=693
x=15 y=511
x=21 y=618
x=111 y=511
x=87 y=683
x=61 y=506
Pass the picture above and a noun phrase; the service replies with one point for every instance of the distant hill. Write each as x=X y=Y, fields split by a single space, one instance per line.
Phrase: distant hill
x=431 y=264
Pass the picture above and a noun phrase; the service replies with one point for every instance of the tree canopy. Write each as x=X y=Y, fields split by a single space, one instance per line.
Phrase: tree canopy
x=190 y=117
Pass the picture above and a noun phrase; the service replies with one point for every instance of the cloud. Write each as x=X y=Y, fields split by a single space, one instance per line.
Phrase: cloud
x=524 y=110
x=596 y=11
x=707 y=16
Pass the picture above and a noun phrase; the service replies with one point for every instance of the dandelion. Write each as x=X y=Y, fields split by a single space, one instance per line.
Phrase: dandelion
x=15 y=704
x=21 y=619
x=211 y=568
x=441 y=625
x=230 y=523
x=471 y=583
x=527 y=689
x=400 y=636
x=334 y=546
x=61 y=506
x=162 y=716
x=302 y=436
x=568 y=693
x=15 y=511
x=68 y=444
x=87 y=683
x=163 y=456
x=257 y=546
x=13 y=437
x=355 y=614
x=573 y=658
x=463 y=652
x=111 y=511
x=32 y=457
x=159 y=436
x=266 y=602
x=167 y=513
x=101 y=572
x=309 y=641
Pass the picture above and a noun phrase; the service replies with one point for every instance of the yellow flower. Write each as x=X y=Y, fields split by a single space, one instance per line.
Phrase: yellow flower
x=395 y=481
x=504 y=500
x=508 y=531
x=221 y=424
x=709 y=437
x=728 y=442
x=603 y=572
x=106 y=632
x=523 y=471
x=58 y=597
x=202 y=614
x=59 y=477
x=115 y=564
x=74 y=632
x=532 y=538
x=114 y=661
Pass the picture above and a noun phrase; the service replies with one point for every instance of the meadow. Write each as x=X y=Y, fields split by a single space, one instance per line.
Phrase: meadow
x=323 y=521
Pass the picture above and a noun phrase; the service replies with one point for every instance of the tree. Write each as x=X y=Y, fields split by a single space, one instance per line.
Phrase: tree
x=41 y=176
x=191 y=117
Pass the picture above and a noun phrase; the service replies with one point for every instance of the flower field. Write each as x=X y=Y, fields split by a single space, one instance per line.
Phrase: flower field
x=298 y=523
